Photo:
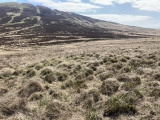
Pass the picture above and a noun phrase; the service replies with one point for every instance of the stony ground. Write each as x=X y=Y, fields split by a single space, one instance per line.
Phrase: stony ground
x=102 y=80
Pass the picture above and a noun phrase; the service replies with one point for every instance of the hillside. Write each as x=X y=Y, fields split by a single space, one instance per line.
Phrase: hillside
x=25 y=24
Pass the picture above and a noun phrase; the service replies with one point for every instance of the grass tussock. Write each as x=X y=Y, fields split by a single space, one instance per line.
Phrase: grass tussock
x=88 y=99
x=3 y=91
x=93 y=84
x=109 y=87
x=122 y=104
x=92 y=115
x=8 y=109
x=30 y=73
x=31 y=88
x=56 y=110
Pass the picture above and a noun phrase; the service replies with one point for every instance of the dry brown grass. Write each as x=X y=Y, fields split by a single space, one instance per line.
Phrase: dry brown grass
x=107 y=80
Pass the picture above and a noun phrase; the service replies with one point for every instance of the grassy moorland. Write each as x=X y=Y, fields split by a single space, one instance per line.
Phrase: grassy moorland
x=102 y=80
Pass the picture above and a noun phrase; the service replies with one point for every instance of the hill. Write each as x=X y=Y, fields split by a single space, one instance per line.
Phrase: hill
x=26 y=24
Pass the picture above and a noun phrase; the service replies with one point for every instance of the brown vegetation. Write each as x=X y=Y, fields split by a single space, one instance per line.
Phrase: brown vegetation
x=101 y=80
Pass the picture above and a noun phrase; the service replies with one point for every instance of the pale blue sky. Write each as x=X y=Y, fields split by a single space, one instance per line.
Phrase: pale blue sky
x=143 y=13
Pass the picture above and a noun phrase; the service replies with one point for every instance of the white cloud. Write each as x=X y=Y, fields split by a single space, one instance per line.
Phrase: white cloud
x=76 y=1
x=102 y=2
x=120 y=18
x=149 y=5
x=133 y=20
x=69 y=5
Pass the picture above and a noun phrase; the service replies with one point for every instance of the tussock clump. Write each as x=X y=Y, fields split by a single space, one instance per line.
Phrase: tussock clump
x=123 y=59
x=36 y=96
x=6 y=72
x=54 y=62
x=9 y=109
x=18 y=72
x=82 y=73
x=32 y=65
x=157 y=76
x=123 y=78
x=31 y=88
x=136 y=80
x=38 y=66
x=155 y=93
x=90 y=78
x=110 y=59
x=147 y=62
x=46 y=71
x=144 y=71
x=46 y=63
x=30 y=73
x=93 y=65
x=100 y=70
x=3 y=91
x=153 y=84
x=56 y=95
x=2 y=77
x=95 y=94
x=61 y=76
x=134 y=63
x=130 y=82
x=113 y=59
x=80 y=76
x=55 y=110
x=124 y=103
x=152 y=56
x=75 y=84
x=50 y=78
x=117 y=107
x=65 y=66
x=126 y=69
x=76 y=70
x=96 y=64
x=88 y=72
x=92 y=115
x=129 y=85
x=48 y=75
x=117 y=66
x=127 y=57
x=103 y=76
x=88 y=98
x=109 y=87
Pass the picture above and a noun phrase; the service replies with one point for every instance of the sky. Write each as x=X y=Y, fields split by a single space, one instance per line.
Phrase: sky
x=142 y=13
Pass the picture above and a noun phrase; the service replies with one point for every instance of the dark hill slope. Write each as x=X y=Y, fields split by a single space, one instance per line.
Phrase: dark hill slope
x=40 y=25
